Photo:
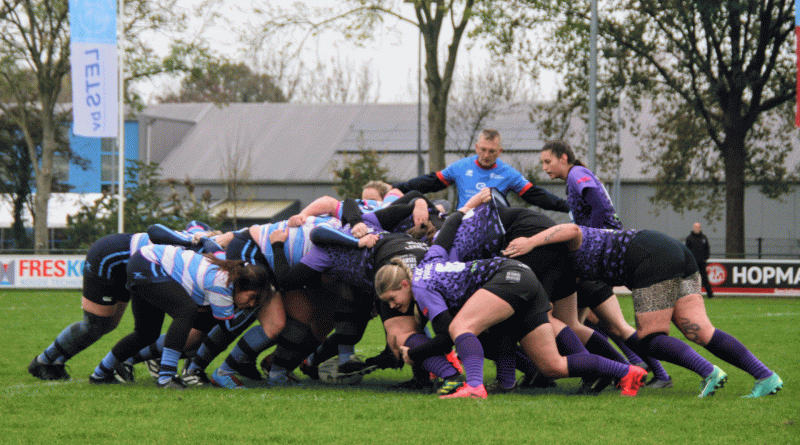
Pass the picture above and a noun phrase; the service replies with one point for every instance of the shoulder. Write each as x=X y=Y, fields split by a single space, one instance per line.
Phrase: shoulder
x=579 y=175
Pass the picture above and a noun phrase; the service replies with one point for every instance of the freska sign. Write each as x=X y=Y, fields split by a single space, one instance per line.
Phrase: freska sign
x=41 y=271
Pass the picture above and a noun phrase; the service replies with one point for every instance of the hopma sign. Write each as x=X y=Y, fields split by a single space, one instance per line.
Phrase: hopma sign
x=756 y=277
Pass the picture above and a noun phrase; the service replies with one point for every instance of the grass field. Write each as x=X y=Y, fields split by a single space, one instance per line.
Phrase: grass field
x=32 y=411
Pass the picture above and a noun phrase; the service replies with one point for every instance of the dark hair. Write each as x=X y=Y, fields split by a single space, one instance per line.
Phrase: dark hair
x=245 y=276
x=559 y=148
x=490 y=134
x=423 y=232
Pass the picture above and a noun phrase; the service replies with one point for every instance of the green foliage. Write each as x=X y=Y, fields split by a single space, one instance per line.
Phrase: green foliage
x=76 y=412
x=356 y=172
x=225 y=82
x=144 y=206
x=724 y=68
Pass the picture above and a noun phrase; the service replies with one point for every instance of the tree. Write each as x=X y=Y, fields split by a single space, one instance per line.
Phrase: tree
x=357 y=20
x=34 y=44
x=35 y=33
x=16 y=177
x=719 y=76
x=225 y=82
x=357 y=172
x=144 y=206
x=476 y=98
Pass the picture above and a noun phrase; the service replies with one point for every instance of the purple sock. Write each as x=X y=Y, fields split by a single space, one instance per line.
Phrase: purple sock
x=568 y=342
x=670 y=349
x=591 y=365
x=470 y=351
x=523 y=363
x=437 y=364
x=655 y=366
x=728 y=348
x=599 y=345
x=632 y=356
x=506 y=370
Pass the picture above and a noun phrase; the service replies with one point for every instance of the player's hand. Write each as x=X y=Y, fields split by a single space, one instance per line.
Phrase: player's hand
x=518 y=246
x=296 y=220
x=360 y=230
x=369 y=240
x=279 y=235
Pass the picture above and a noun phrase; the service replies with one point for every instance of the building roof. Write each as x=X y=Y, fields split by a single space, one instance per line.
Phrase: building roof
x=304 y=143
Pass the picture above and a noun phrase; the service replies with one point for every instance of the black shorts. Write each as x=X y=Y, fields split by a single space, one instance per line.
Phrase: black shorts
x=553 y=267
x=104 y=275
x=516 y=284
x=593 y=293
x=142 y=271
x=653 y=257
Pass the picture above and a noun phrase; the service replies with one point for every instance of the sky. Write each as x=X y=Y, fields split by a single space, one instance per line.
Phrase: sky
x=392 y=54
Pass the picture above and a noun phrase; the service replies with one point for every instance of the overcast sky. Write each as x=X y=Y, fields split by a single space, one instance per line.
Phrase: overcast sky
x=393 y=56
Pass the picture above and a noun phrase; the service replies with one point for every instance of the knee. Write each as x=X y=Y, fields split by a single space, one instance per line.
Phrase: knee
x=274 y=326
x=553 y=367
x=97 y=325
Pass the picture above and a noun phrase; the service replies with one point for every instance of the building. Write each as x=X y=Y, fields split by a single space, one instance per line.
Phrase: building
x=277 y=157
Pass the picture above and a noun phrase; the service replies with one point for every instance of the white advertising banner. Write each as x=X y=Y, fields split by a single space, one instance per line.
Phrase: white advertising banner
x=41 y=271
x=93 y=58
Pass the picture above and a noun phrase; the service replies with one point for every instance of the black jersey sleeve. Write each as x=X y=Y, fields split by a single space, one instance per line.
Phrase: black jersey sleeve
x=325 y=235
x=393 y=215
x=447 y=234
x=351 y=213
x=161 y=234
x=543 y=199
x=425 y=184
x=440 y=344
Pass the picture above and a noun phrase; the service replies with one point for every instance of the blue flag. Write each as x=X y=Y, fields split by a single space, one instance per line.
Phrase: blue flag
x=93 y=47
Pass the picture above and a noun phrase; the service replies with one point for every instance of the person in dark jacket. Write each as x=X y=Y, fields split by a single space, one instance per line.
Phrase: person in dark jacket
x=698 y=244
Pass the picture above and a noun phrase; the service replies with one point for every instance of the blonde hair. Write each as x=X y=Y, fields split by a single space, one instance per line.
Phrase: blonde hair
x=382 y=187
x=390 y=276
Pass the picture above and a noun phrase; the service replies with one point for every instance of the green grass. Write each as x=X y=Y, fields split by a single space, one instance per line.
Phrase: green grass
x=32 y=411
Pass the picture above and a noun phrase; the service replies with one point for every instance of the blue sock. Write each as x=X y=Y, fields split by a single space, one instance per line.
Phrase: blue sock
x=169 y=365
x=470 y=352
x=106 y=365
x=253 y=342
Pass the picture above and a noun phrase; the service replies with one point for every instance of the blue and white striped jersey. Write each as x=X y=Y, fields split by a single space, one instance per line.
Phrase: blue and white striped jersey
x=298 y=243
x=205 y=282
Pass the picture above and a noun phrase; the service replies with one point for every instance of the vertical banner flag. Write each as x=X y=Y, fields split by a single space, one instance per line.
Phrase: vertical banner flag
x=93 y=44
x=797 y=56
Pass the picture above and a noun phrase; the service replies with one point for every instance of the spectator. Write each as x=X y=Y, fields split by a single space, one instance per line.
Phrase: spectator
x=698 y=244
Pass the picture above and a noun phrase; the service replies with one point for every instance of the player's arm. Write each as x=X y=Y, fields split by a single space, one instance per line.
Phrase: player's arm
x=424 y=184
x=441 y=344
x=543 y=199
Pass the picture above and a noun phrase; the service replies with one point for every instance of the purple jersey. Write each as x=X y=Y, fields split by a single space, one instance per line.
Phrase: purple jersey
x=351 y=266
x=439 y=284
x=357 y=267
x=601 y=256
x=579 y=180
